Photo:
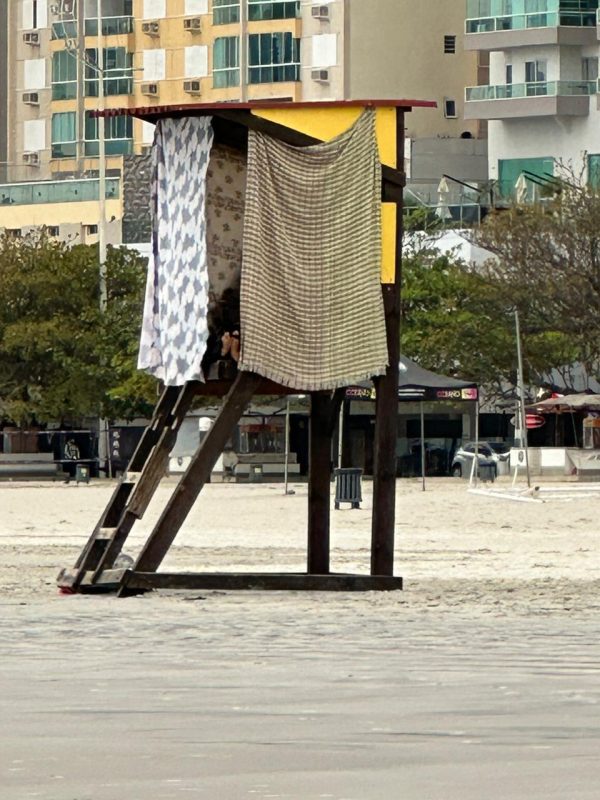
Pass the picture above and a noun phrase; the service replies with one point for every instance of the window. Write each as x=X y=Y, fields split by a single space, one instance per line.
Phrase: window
x=53 y=231
x=226 y=11
x=64 y=135
x=535 y=78
x=593 y=165
x=509 y=74
x=117 y=67
x=116 y=17
x=510 y=170
x=64 y=75
x=226 y=62
x=118 y=136
x=90 y=230
x=273 y=57
x=273 y=9
x=13 y=233
x=450 y=44
x=450 y=108
x=589 y=68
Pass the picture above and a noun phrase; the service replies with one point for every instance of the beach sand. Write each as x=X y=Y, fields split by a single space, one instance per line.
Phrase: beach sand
x=480 y=681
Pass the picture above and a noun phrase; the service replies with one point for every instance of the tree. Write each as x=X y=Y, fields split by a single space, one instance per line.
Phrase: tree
x=548 y=266
x=60 y=358
x=458 y=321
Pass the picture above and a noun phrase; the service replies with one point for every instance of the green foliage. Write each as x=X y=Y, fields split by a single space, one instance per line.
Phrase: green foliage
x=458 y=321
x=60 y=358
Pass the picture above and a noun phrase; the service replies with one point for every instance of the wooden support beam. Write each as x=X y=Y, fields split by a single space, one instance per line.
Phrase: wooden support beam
x=197 y=474
x=136 y=582
x=319 y=477
x=386 y=408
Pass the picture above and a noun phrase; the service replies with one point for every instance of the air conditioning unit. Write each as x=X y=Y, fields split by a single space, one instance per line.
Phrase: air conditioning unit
x=192 y=24
x=320 y=12
x=320 y=75
x=31 y=37
x=151 y=28
x=192 y=87
x=149 y=89
x=32 y=158
x=31 y=98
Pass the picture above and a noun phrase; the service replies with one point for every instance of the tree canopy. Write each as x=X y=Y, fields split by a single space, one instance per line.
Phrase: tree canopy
x=60 y=357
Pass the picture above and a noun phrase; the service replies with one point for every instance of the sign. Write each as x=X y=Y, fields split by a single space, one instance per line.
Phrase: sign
x=534 y=421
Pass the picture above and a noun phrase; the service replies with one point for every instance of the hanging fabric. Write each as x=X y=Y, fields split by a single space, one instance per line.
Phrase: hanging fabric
x=312 y=314
x=174 y=328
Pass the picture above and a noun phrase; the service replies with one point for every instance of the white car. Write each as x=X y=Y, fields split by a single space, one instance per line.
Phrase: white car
x=487 y=453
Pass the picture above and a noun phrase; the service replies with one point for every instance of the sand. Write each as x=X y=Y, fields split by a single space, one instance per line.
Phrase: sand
x=479 y=681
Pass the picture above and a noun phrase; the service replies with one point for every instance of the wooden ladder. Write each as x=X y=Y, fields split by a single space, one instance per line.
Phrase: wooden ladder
x=94 y=569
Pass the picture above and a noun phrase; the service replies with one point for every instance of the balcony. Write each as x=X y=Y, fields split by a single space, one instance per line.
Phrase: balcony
x=522 y=100
x=550 y=27
x=65 y=191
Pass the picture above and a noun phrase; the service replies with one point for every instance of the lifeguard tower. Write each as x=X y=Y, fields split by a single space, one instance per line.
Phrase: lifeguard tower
x=299 y=125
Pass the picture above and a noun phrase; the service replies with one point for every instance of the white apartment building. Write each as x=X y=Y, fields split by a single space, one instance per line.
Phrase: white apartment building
x=542 y=100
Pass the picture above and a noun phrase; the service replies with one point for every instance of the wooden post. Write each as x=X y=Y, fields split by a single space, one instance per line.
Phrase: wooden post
x=319 y=474
x=386 y=405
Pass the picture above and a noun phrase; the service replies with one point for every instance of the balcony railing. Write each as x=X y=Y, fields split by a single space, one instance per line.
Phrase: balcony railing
x=515 y=22
x=65 y=191
x=533 y=89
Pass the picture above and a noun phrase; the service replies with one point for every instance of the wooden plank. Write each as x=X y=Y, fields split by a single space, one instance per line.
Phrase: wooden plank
x=260 y=581
x=197 y=474
x=319 y=476
x=386 y=409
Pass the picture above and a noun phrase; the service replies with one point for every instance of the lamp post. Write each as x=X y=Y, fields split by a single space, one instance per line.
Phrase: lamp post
x=69 y=12
x=286 y=463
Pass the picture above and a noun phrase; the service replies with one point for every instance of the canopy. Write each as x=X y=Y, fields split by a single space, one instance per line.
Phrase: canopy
x=570 y=402
x=417 y=383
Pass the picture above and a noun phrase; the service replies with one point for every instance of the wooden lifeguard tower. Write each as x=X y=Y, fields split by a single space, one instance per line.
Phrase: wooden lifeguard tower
x=298 y=124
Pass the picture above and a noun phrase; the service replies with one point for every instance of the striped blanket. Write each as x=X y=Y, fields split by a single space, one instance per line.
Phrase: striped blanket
x=311 y=305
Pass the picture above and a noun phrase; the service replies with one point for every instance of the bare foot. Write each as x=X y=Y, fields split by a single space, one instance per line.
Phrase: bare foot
x=235 y=345
x=225 y=343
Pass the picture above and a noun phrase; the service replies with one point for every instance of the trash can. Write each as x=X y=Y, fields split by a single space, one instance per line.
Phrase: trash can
x=82 y=473
x=487 y=471
x=348 y=487
x=255 y=473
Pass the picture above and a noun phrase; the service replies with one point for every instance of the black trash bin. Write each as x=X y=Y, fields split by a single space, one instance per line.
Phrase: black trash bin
x=348 y=488
x=487 y=471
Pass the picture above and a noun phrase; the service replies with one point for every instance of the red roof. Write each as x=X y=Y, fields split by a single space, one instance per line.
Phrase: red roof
x=190 y=108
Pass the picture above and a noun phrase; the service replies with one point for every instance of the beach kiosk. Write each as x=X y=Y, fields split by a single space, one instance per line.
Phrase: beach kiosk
x=294 y=212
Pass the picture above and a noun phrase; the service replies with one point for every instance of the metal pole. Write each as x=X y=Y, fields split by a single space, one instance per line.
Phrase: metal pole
x=287 y=443
x=341 y=434
x=103 y=430
x=522 y=399
x=422 y=444
x=243 y=51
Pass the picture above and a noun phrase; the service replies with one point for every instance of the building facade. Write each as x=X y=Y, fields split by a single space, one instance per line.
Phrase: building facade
x=159 y=52
x=542 y=103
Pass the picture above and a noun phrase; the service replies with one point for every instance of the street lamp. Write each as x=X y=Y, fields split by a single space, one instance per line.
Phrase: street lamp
x=65 y=10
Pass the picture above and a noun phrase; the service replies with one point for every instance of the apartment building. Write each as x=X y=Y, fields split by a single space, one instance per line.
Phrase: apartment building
x=162 y=52
x=542 y=101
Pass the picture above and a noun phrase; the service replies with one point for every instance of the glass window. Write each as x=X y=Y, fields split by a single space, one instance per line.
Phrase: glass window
x=64 y=75
x=64 y=135
x=593 y=165
x=273 y=57
x=511 y=169
x=589 y=68
x=116 y=17
x=226 y=62
x=226 y=11
x=118 y=136
x=117 y=67
x=273 y=9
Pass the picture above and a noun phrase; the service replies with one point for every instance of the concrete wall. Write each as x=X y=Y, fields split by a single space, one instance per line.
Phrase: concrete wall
x=395 y=49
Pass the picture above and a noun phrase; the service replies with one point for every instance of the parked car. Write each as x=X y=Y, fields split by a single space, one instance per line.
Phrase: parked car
x=488 y=453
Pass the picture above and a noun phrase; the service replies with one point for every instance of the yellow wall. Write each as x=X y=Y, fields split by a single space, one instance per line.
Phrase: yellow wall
x=84 y=213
